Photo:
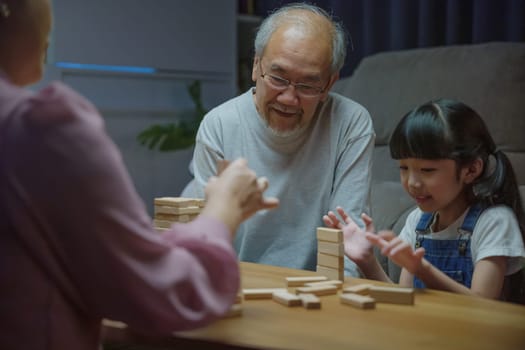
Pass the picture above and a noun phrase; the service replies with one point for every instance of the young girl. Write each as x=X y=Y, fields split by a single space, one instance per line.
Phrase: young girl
x=466 y=236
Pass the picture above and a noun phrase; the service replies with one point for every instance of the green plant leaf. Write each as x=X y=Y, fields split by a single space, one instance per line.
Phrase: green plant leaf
x=177 y=135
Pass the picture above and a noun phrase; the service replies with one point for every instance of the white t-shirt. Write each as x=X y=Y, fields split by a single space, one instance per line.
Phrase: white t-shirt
x=326 y=165
x=496 y=233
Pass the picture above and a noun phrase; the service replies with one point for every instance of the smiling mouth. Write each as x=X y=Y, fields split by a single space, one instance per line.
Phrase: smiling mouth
x=285 y=114
x=285 y=111
x=421 y=199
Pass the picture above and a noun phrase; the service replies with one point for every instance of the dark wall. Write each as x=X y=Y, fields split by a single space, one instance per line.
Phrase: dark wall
x=386 y=25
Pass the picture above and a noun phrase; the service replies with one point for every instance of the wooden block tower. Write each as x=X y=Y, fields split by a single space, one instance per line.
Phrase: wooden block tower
x=169 y=210
x=330 y=253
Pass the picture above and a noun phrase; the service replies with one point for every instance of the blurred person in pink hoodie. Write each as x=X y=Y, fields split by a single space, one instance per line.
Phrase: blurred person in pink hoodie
x=76 y=243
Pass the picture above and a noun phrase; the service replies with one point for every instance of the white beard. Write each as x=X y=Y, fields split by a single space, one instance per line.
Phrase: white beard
x=286 y=133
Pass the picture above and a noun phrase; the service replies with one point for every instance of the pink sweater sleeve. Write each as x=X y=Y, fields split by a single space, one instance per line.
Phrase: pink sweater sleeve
x=86 y=224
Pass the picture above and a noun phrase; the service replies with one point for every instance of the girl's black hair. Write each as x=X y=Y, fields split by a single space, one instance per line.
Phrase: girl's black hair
x=448 y=129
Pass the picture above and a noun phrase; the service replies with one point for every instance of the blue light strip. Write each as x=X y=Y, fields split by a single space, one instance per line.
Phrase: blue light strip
x=106 y=68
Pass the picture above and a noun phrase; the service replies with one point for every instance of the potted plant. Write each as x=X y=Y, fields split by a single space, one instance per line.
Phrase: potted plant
x=179 y=134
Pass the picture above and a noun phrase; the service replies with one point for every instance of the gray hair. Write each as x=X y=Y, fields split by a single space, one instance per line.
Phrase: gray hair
x=283 y=15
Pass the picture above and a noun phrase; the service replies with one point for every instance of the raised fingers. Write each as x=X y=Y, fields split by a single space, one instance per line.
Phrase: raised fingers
x=333 y=220
x=369 y=223
x=344 y=215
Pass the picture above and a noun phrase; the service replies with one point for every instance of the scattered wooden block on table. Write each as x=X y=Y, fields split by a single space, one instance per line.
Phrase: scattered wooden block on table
x=238 y=298
x=337 y=283
x=301 y=280
x=287 y=298
x=310 y=301
x=235 y=310
x=360 y=301
x=329 y=234
x=320 y=290
x=261 y=293
x=362 y=289
x=394 y=295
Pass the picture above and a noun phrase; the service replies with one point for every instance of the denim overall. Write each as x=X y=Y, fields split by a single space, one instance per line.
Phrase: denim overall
x=451 y=256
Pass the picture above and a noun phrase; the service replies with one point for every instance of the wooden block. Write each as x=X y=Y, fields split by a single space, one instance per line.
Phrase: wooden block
x=235 y=310
x=361 y=301
x=183 y=218
x=179 y=202
x=166 y=210
x=114 y=324
x=301 y=280
x=362 y=289
x=331 y=248
x=394 y=295
x=261 y=293
x=337 y=283
x=329 y=234
x=320 y=290
x=200 y=202
x=238 y=298
x=310 y=301
x=335 y=262
x=331 y=273
x=162 y=223
x=287 y=298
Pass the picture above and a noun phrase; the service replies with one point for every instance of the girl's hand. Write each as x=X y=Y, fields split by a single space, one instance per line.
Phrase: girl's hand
x=357 y=247
x=399 y=251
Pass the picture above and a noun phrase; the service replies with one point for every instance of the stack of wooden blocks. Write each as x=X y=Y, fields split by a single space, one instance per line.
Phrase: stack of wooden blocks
x=169 y=210
x=330 y=253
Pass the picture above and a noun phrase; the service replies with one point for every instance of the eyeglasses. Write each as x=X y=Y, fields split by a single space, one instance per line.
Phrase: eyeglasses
x=282 y=84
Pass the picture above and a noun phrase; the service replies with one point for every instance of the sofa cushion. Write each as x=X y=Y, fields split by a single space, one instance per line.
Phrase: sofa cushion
x=489 y=77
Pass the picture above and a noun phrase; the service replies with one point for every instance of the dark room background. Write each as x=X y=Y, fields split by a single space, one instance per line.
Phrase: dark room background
x=385 y=25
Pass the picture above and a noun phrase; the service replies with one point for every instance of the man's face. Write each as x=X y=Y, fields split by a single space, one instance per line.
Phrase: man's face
x=300 y=58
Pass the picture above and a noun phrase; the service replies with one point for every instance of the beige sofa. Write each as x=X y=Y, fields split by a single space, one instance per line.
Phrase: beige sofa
x=489 y=77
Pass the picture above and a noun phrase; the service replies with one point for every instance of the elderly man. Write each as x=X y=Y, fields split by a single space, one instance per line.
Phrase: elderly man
x=314 y=146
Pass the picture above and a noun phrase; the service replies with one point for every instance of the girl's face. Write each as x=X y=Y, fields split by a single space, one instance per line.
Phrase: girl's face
x=436 y=186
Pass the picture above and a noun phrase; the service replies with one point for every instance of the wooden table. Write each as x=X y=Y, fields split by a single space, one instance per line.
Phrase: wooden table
x=438 y=320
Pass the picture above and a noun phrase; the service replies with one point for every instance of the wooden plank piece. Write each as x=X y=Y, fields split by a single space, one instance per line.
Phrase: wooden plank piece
x=287 y=298
x=335 y=262
x=360 y=301
x=179 y=202
x=337 y=283
x=310 y=301
x=160 y=210
x=235 y=311
x=362 y=289
x=331 y=273
x=329 y=234
x=331 y=248
x=261 y=293
x=320 y=290
x=301 y=280
x=394 y=295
